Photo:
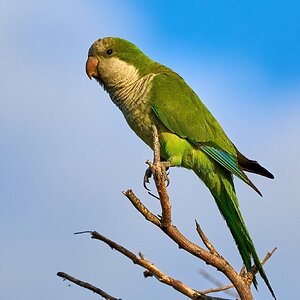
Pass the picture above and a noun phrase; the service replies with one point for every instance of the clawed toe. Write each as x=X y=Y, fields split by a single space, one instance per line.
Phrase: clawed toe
x=147 y=176
x=167 y=180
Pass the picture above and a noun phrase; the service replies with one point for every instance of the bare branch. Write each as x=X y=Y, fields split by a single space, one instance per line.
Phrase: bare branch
x=216 y=261
x=160 y=177
x=205 y=240
x=149 y=216
x=156 y=145
x=86 y=285
x=152 y=269
x=267 y=257
x=222 y=287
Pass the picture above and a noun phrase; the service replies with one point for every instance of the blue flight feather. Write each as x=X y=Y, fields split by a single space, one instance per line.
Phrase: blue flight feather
x=229 y=162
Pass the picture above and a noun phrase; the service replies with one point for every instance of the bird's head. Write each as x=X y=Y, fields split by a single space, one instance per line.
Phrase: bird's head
x=111 y=61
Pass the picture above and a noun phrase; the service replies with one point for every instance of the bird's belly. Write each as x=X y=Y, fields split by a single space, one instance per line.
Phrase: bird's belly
x=173 y=147
x=177 y=150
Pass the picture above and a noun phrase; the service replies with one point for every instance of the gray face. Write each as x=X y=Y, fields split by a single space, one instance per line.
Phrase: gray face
x=110 y=71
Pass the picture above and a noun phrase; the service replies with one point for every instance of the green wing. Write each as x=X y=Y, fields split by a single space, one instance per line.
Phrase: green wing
x=182 y=112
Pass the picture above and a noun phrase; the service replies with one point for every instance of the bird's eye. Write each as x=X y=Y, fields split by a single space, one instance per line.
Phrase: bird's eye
x=109 y=51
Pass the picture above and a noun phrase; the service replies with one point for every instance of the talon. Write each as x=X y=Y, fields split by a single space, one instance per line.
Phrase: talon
x=147 y=176
x=167 y=180
x=145 y=186
x=166 y=167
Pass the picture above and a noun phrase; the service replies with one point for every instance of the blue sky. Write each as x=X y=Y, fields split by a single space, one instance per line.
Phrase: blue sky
x=67 y=153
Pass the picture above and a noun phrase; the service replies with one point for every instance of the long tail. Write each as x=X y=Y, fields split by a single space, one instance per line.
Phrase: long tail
x=222 y=189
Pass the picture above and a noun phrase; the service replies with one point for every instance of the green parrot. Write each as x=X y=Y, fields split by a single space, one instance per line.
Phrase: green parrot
x=148 y=94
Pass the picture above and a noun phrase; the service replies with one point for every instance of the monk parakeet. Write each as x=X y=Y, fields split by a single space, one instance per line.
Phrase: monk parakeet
x=149 y=93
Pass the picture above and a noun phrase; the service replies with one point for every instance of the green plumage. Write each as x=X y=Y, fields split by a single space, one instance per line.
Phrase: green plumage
x=149 y=94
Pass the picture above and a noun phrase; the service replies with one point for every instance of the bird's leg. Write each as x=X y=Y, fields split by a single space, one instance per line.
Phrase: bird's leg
x=149 y=171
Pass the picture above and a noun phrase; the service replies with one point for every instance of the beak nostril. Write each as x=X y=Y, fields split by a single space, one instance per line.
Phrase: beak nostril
x=91 y=67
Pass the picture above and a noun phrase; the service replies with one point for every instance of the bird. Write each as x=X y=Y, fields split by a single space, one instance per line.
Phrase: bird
x=151 y=94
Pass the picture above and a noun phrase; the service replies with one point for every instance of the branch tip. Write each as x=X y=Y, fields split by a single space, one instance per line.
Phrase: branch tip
x=86 y=285
x=205 y=240
x=84 y=232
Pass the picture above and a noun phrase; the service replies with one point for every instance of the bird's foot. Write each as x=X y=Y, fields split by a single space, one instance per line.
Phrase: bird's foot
x=147 y=176
x=165 y=165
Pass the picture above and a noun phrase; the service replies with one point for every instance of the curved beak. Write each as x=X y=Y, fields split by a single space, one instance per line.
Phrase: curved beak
x=91 y=67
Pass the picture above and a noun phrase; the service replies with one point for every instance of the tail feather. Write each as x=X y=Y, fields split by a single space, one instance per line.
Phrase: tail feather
x=222 y=189
x=252 y=166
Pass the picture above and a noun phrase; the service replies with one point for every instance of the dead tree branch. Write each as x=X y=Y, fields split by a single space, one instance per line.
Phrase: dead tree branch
x=205 y=240
x=86 y=285
x=222 y=287
x=161 y=276
x=159 y=173
x=214 y=260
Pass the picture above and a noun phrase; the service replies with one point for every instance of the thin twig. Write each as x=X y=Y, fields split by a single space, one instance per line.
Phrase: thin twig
x=82 y=232
x=205 y=240
x=143 y=262
x=86 y=285
x=149 y=216
x=267 y=257
x=230 y=286
x=220 y=286
x=224 y=288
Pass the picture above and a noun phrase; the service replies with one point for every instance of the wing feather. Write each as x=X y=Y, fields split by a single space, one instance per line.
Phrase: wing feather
x=182 y=112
